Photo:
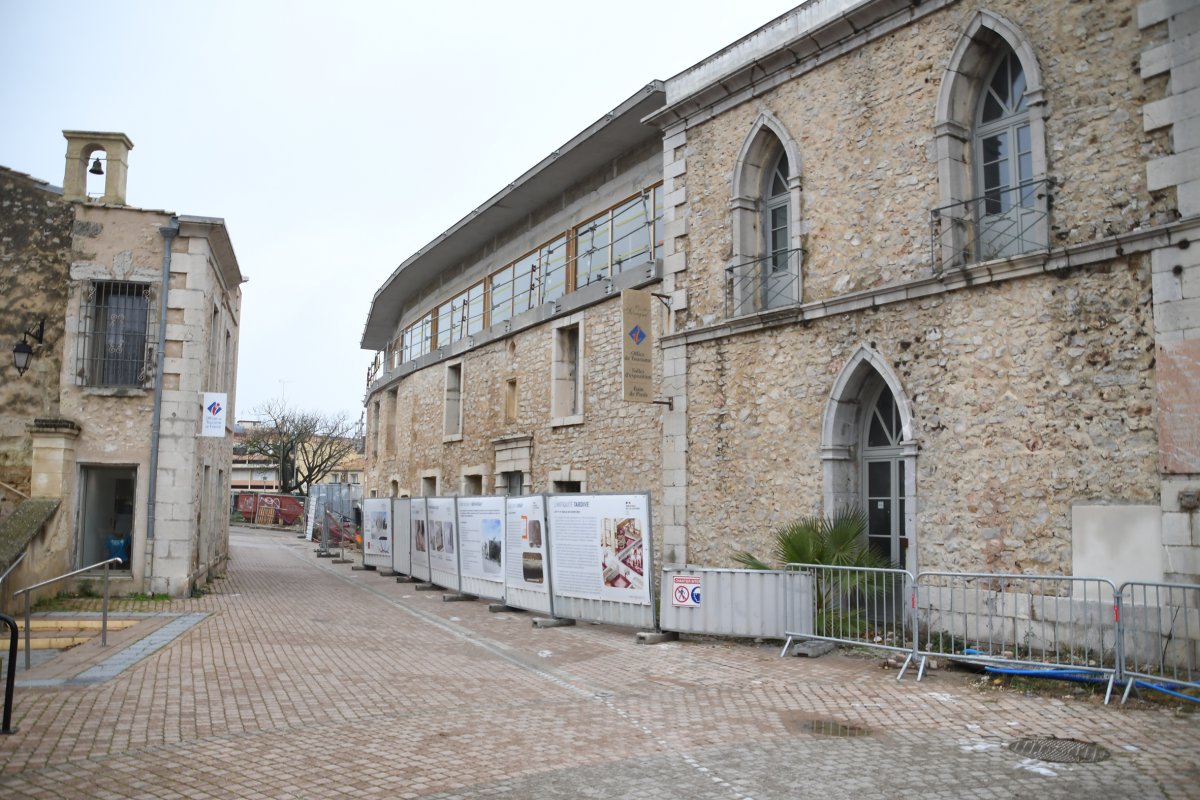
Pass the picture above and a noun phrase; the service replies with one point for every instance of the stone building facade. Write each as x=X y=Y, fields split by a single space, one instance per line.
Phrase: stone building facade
x=928 y=259
x=970 y=343
x=500 y=363
x=78 y=426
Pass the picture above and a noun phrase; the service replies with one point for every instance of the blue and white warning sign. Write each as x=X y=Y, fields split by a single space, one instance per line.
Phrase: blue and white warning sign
x=685 y=590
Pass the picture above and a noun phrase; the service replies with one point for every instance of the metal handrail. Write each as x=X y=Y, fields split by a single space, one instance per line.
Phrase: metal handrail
x=104 y=607
x=10 y=678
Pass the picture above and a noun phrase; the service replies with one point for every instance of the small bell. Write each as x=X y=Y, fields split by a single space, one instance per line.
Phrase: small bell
x=96 y=168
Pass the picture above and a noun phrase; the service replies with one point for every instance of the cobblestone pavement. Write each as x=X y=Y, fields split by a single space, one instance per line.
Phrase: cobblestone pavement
x=308 y=680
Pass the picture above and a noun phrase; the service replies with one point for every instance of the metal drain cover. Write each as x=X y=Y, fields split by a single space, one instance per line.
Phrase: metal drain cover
x=1060 y=751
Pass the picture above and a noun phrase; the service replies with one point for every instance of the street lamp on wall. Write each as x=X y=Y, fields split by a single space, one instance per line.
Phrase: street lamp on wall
x=23 y=352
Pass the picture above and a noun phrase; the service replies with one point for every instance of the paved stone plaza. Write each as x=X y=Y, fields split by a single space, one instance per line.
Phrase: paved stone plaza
x=305 y=679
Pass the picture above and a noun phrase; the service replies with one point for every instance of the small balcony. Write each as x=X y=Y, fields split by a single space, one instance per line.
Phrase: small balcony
x=999 y=224
x=763 y=284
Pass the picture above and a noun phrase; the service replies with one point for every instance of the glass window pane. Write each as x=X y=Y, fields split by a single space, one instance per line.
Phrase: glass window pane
x=1018 y=85
x=879 y=479
x=1000 y=85
x=631 y=233
x=554 y=269
x=591 y=251
x=879 y=514
x=658 y=222
x=779 y=177
x=475 y=309
x=502 y=292
x=992 y=110
x=525 y=273
x=993 y=177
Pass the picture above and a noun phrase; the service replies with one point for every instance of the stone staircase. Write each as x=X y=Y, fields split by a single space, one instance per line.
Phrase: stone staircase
x=59 y=633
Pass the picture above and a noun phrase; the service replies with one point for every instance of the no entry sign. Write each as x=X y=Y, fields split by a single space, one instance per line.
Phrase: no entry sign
x=685 y=590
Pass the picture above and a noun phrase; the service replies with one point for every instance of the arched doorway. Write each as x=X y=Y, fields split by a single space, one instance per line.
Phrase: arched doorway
x=869 y=454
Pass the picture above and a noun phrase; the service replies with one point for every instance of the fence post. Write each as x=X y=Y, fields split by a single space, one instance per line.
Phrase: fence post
x=1119 y=647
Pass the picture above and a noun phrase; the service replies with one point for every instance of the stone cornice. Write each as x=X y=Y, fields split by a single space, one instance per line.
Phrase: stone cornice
x=988 y=272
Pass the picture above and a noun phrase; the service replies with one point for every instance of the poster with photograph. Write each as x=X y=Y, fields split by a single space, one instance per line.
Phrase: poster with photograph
x=481 y=535
x=420 y=538
x=525 y=555
x=599 y=548
x=377 y=528
x=441 y=534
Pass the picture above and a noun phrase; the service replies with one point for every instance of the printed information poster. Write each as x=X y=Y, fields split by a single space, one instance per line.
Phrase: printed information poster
x=525 y=557
x=377 y=527
x=420 y=537
x=441 y=533
x=481 y=534
x=598 y=546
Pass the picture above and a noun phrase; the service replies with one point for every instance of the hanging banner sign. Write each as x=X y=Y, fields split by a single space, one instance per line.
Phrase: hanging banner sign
x=212 y=413
x=637 y=345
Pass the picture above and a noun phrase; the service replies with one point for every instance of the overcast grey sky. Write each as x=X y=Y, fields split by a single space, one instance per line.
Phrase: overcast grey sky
x=334 y=138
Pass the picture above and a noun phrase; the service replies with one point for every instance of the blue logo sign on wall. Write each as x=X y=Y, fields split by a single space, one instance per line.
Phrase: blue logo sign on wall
x=637 y=334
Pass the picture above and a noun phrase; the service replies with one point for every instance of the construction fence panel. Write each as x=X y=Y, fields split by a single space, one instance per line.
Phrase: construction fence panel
x=735 y=602
x=1051 y=624
x=402 y=535
x=420 y=539
x=1160 y=636
x=377 y=533
x=481 y=523
x=442 y=538
x=526 y=554
x=600 y=558
x=336 y=511
x=860 y=606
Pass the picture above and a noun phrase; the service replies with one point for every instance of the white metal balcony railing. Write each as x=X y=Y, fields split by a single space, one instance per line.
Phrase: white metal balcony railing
x=999 y=224
x=763 y=284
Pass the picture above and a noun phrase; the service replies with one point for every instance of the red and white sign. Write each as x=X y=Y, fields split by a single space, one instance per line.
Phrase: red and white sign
x=685 y=590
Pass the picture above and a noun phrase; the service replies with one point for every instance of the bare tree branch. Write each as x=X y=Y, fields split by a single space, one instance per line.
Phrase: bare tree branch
x=304 y=446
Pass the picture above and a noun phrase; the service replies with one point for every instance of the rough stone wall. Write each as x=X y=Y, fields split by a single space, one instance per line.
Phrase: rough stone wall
x=1027 y=396
x=864 y=125
x=35 y=245
x=617 y=445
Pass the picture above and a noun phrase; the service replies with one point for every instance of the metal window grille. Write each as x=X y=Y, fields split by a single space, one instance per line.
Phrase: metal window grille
x=116 y=341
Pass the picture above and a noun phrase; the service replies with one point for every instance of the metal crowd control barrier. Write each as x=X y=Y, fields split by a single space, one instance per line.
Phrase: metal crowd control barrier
x=1160 y=637
x=1042 y=625
x=861 y=606
x=735 y=602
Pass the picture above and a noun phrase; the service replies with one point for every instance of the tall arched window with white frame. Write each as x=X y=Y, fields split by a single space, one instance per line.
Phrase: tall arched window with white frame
x=765 y=268
x=994 y=186
x=776 y=203
x=1006 y=211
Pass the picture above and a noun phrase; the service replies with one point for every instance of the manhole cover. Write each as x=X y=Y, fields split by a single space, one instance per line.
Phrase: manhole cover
x=1060 y=751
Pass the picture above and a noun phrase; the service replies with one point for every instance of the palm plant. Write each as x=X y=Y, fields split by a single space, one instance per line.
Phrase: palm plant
x=835 y=541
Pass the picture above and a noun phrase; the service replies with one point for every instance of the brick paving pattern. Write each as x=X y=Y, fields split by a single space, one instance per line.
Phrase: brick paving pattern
x=308 y=680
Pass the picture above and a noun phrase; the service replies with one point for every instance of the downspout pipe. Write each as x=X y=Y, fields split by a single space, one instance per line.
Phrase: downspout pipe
x=168 y=233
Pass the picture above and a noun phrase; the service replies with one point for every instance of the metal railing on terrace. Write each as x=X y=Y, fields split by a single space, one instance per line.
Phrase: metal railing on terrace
x=1001 y=223
x=763 y=284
